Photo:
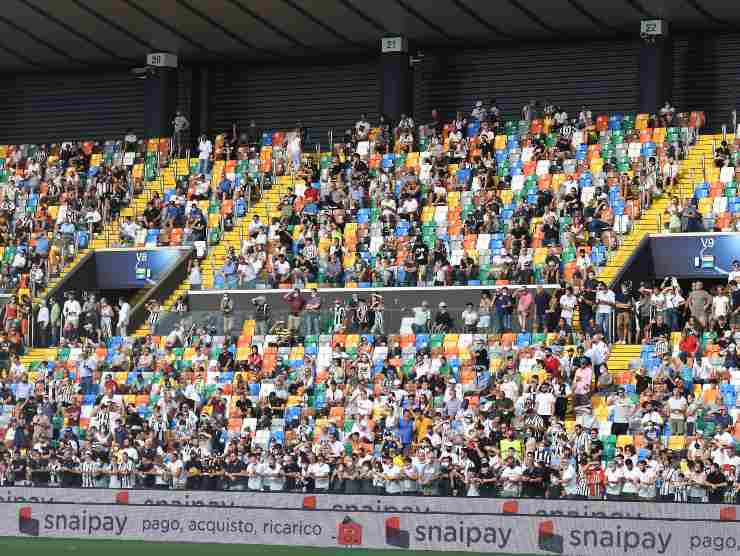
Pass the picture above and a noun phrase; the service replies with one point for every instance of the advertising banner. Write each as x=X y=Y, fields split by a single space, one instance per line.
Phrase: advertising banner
x=694 y=255
x=492 y=533
x=135 y=268
x=366 y=503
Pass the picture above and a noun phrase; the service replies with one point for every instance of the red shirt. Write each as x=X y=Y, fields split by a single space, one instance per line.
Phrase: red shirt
x=552 y=365
x=689 y=344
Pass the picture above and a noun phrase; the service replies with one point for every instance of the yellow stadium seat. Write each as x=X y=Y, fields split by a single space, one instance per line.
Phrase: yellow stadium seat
x=624 y=440
x=676 y=443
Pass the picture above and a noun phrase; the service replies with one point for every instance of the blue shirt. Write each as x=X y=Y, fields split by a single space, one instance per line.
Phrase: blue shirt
x=406 y=430
x=42 y=246
x=501 y=302
x=229 y=268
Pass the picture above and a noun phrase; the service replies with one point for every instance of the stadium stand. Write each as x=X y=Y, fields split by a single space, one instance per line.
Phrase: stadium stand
x=410 y=218
x=521 y=394
x=707 y=200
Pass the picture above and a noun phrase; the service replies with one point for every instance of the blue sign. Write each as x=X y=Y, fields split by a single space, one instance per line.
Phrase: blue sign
x=695 y=255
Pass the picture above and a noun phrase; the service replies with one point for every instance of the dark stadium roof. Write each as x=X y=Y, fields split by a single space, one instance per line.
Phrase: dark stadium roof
x=58 y=34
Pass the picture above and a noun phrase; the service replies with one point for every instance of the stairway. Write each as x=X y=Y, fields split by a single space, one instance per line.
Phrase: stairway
x=110 y=236
x=264 y=208
x=691 y=168
x=620 y=357
x=37 y=355
x=654 y=216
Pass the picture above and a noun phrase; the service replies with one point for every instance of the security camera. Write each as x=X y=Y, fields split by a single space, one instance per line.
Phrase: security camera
x=144 y=72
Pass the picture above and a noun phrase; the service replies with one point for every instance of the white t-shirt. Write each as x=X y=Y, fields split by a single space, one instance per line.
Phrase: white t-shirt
x=621 y=409
x=602 y=298
x=570 y=481
x=176 y=469
x=393 y=479
x=647 y=483
x=254 y=474
x=205 y=148
x=508 y=476
x=632 y=481
x=678 y=407
x=567 y=304
x=273 y=477
x=469 y=317
x=410 y=484
x=545 y=403
x=720 y=305
x=320 y=473
x=614 y=481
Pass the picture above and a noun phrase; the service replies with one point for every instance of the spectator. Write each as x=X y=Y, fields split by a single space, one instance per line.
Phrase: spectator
x=262 y=315
x=296 y=304
x=227 y=311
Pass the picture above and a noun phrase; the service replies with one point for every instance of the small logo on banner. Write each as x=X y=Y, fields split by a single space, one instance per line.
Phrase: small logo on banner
x=122 y=497
x=349 y=533
x=511 y=507
x=728 y=513
x=547 y=539
x=309 y=502
x=26 y=523
x=394 y=535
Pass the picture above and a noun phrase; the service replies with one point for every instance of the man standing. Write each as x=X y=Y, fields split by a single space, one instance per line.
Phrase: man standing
x=296 y=303
x=605 y=304
x=124 y=313
x=261 y=315
x=42 y=318
x=623 y=301
x=205 y=148
x=180 y=126
x=227 y=310
x=55 y=321
x=313 y=313
x=422 y=317
x=700 y=303
x=71 y=311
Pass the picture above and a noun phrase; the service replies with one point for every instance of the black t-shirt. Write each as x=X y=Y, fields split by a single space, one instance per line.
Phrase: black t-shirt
x=38 y=470
x=290 y=482
x=152 y=215
x=622 y=298
x=643 y=381
x=5 y=348
x=538 y=488
x=147 y=481
x=716 y=478
x=661 y=330
x=421 y=254
x=487 y=489
x=505 y=409
x=232 y=467
x=736 y=299
x=19 y=468
x=551 y=232
x=519 y=233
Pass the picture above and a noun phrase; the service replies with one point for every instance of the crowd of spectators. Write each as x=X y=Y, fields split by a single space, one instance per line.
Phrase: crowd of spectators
x=509 y=396
x=428 y=412
x=714 y=205
x=476 y=200
x=54 y=197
